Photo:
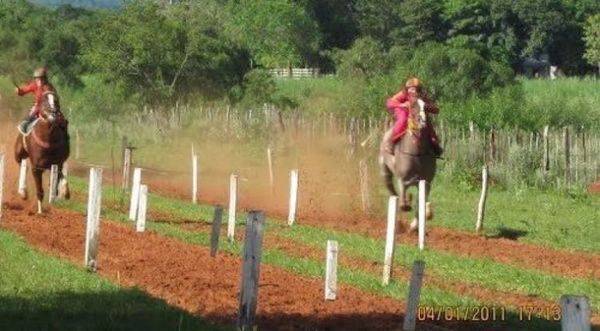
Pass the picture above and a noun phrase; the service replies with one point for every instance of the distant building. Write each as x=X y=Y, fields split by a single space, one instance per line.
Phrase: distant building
x=537 y=67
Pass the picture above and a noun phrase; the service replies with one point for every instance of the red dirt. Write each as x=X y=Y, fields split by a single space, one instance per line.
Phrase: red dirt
x=191 y=270
x=502 y=250
x=187 y=277
x=594 y=187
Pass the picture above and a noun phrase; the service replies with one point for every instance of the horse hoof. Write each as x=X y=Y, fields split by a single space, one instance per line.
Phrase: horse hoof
x=405 y=208
x=413 y=226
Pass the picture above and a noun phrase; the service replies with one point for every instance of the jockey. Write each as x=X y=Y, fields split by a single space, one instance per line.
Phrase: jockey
x=400 y=104
x=39 y=86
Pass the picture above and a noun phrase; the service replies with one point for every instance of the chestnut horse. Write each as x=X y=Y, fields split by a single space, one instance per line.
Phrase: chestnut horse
x=46 y=144
x=413 y=160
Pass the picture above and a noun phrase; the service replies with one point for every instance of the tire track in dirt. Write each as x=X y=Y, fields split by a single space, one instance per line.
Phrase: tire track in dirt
x=187 y=277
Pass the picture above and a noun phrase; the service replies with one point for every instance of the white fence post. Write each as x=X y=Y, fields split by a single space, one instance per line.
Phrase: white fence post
x=194 y=179
x=414 y=294
x=141 y=215
x=135 y=193
x=294 y=177
x=23 y=179
x=482 y=199
x=575 y=313
x=53 y=189
x=233 y=188
x=422 y=211
x=93 y=218
x=1 y=181
x=390 y=239
x=331 y=270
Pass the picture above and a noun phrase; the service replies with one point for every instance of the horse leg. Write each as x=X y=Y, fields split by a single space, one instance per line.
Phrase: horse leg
x=428 y=208
x=404 y=204
x=37 y=177
x=63 y=185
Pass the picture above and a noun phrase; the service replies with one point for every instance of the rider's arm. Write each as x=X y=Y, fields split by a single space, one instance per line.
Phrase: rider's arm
x=399 y=100
x=22 y=90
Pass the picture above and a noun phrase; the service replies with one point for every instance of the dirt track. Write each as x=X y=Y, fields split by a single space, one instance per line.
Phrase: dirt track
x=181 y=276
x=187 y=277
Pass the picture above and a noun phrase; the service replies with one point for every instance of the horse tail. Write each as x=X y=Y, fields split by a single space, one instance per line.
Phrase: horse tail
x=388 y=177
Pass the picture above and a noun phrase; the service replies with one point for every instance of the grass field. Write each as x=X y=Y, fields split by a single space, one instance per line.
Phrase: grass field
x=38 y=292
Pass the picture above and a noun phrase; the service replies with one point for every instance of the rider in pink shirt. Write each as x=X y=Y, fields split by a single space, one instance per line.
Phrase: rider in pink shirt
x=400 y=104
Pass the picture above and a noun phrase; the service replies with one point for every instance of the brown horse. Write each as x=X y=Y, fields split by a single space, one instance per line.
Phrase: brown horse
x=413 y=160
x=46 y=144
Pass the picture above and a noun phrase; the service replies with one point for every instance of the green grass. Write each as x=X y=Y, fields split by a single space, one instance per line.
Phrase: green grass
x=480 y=272
x=38 y=292
x=559 y=220
x=489 y=274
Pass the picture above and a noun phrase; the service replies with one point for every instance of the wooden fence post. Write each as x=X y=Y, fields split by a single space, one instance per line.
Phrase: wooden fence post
x=575 y=313
x=331 y=270
x=93 y=219
x=270 y=164
x=414 y=293
x=233 y=188
x=216 y=230
x=126 y=168
x=294 y=178
x=546 y=165
x=482 y=199
x=364 y=185
x=567 y=146
x=390 y=240
x=142 y=208
x=251 y=270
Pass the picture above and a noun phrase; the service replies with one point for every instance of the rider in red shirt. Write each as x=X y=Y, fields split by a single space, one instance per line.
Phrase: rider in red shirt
x=400 y=104
x=39 y=86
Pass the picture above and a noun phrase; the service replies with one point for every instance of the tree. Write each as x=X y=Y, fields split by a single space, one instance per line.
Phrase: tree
x=366 y=59
x=162 y=54
x=277 y=32
x=421 y=22
x=592 y=40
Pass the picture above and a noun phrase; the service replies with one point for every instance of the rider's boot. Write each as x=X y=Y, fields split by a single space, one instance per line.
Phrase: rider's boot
x=26 y=122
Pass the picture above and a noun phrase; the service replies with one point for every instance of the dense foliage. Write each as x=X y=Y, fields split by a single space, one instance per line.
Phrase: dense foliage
x=148 y=52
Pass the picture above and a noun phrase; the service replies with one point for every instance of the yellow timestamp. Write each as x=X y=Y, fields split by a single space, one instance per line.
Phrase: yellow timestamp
x=529 y=312
x=466 y=313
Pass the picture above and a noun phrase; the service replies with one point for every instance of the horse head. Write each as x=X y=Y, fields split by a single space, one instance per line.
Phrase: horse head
x=50 y=110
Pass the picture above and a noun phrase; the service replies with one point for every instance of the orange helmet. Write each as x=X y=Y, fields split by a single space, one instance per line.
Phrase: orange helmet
x=413 y=82
x=40 y=72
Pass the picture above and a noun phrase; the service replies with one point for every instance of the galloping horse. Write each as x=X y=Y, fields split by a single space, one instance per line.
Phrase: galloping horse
x=46 y=144
x=413 y=160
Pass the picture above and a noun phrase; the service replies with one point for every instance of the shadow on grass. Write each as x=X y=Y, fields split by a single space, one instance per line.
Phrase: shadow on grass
x=123 y=309
x=131 y=309
x=508 y=233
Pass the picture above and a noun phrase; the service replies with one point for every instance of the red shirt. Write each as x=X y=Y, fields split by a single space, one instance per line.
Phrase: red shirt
x=38 y=92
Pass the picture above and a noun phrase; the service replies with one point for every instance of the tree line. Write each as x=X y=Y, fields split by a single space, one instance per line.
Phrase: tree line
x=161 y=53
